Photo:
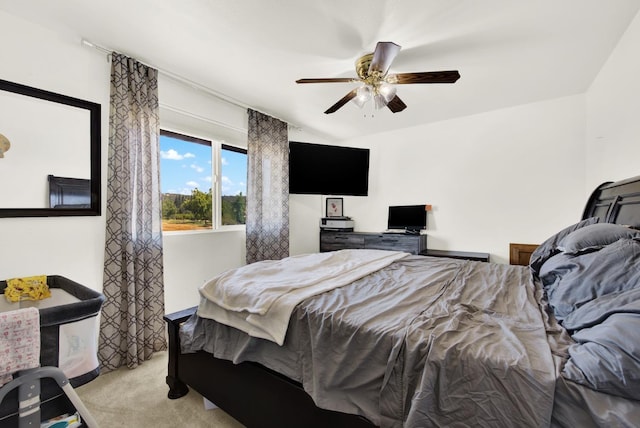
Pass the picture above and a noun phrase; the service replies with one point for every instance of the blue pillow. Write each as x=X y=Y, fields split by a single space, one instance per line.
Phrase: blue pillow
x=550 y=246
x=594 y=237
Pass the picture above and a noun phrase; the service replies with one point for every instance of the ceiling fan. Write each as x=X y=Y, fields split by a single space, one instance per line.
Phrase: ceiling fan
x=372 y=71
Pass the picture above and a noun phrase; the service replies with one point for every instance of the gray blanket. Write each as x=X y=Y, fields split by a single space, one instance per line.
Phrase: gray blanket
x=423 y=342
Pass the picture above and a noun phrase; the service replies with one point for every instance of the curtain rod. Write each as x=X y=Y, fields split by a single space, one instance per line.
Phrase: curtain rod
x=189 y=82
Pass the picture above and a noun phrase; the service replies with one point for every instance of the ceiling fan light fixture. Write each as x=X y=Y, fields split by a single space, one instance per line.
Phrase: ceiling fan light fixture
x=387 y=90
x=380 y=101
x=372 y=70
x=363 y=94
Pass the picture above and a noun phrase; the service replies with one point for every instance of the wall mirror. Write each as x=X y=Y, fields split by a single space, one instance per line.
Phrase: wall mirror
x=49 y=153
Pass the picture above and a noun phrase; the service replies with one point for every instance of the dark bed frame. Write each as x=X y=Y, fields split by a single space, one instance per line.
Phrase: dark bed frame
x=259 y=397
x=65 y=192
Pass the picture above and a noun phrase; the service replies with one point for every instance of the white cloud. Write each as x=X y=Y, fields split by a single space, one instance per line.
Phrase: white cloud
x=224 y=161
x=192 y=183
x=171 y=154
x=196 y=167
x=226 y=180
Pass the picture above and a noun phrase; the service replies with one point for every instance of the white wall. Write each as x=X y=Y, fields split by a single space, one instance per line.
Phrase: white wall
x=613 y=114
x=68 y=246
x=511 y=175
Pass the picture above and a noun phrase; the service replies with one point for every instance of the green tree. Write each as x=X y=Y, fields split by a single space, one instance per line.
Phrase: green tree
x=240 y=208
x=234 y=209
x=199 y=205
x=169 y=208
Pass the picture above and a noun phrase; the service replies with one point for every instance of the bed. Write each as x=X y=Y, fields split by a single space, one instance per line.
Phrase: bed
x=426 y=341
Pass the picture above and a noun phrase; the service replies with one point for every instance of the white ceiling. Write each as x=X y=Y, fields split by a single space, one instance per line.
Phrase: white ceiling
x=508 y=52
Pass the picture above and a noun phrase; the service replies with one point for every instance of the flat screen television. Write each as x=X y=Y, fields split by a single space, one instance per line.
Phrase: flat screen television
x=411 y=218
x=318 y=169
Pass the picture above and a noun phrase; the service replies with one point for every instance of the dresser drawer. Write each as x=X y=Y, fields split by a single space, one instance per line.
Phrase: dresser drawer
x=407 y=243
x=332 y=241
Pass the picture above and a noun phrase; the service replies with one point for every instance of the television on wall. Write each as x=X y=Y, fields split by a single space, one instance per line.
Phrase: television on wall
x=411 y=218
x=318 y=169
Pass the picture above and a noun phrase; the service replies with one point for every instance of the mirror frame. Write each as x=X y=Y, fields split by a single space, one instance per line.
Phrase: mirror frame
x=94 y=118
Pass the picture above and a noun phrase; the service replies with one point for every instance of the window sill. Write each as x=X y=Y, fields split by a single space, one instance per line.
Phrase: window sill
x=221 y=229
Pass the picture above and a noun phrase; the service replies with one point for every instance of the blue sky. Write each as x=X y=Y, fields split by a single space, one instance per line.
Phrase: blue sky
x=185 y=166
x=234 y=173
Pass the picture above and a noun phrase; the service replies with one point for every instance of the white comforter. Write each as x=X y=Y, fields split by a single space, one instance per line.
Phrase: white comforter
x=259 y=298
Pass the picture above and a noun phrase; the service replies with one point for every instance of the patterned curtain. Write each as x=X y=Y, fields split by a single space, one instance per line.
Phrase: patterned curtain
x=268 y=188
x=131 y=326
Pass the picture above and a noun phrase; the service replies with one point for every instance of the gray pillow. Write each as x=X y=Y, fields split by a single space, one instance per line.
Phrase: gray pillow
x=606 y=357
x=594 y=236
x=550 y=246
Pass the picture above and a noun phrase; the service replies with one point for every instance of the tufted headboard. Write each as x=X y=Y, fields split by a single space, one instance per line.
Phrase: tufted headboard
x=616 y=202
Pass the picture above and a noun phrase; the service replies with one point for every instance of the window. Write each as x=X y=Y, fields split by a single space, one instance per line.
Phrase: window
x=233 y=185
x=203 y=183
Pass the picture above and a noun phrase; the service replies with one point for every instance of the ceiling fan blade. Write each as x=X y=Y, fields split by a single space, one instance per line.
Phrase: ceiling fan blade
x=425 y=77
x=383 y=57
x=396 y=104
x=351 y=95
x=327 y=80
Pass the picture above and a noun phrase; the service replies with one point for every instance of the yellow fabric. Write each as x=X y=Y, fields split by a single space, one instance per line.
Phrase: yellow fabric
x=27 y=288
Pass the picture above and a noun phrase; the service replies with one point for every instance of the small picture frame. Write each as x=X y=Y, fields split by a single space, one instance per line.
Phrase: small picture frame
x=334 y=207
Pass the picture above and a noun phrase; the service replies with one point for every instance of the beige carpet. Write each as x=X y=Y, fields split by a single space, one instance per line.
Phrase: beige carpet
x=138 y=398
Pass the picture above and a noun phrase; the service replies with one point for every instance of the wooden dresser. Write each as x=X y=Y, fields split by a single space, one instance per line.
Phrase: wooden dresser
x=332 y=241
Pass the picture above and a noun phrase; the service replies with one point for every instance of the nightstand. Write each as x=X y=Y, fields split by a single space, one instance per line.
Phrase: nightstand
x=519 y=254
